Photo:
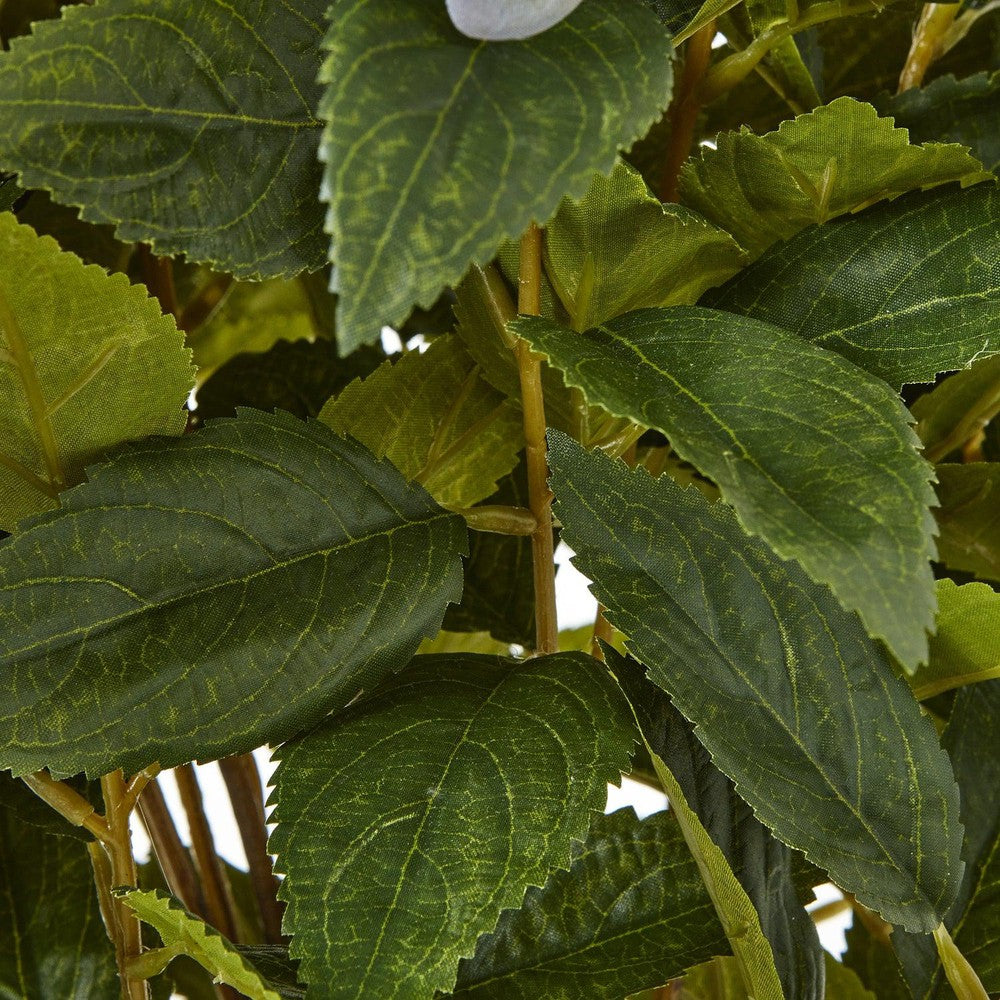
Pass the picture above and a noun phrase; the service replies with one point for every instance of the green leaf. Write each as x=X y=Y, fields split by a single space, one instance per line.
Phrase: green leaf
x=436 y=419
x=781 y=668
x=52 y=941
x=187 y=934
x=816 y=456
x=214 y=573
x=464 y=642
x=10 y=192
x=905 y=290
x=619 y=248
x=747 y=871
x=28 y=808
x=843 y=983
x=966 y=646
x=440 y=147
x=875 y=964
x=969 y=517
x=836 y=159
x=631 y=910
x=486 y=769
x=218 y=164
x=970 y=739
x=297 y=377
x=87 y=361
x=965 y=111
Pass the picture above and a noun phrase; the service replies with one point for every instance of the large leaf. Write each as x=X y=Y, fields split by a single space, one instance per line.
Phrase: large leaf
x=816 y=456
x=747 y=871
x=965 y=111
x=486 y=770
x=440 y=147
x=619 y=249
x=787 y=685
x=904 y=291
x=87 y=361
x=974 y=919
x=200 y=598
x=969 y=517
x=631 y=910
x=188 y=127
x=52 y=940
x=436 y=419
x=833 y=160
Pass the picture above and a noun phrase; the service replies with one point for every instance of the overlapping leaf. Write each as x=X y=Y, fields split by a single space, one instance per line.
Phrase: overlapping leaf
x=436 y=419
x=873 y=961
x=486 y=770
x=87 y=361
x=781 y=669
x=969 y=517
x=188 y=127
x=52 y=941
x=833 y=160
x=816 y=456
x=619 y=248
x=904 y=290
x=747 y=871
x=631 y=910
x=199 y=598
x=29 y=809
x=440 y=147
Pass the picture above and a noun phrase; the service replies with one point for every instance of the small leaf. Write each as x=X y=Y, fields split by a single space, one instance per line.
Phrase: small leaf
x=87 y=361
x=203 y=596
x=781 y=668
x=836 y=159
x=503 y=20
x=631 y=910
x=487 y=770
x=192 y=936
x=219 y=165
x=904 y=290
x=414 y=105
x=969 y=517
x=843 y=983
x=436 y=419
x=816 y=456
x=619 y=249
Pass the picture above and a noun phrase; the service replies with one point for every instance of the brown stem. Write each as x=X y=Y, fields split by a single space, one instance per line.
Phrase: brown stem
x=935 y=20
x=685 y=108
x=247 y=796
x=69 y=804
x=218 y=905
x=829 y=910
x=158 y=274
x=173 y=858
x=533 y=405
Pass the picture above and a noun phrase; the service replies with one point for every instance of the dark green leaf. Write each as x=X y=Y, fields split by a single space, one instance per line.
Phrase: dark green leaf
x=52 y=942
x=201 y=597
x=781 y=669
x=874 y=962
x=192 y=131
x=486 y=770
x=414 y=105
x=969 y=517
x=28 y=808
x=904 y=290
x=10 y=191
x=632 y=910
x=816 y=456
x=716 y=821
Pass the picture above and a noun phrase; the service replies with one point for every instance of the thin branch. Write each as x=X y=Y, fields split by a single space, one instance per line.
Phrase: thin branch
x=135 y=787
x=173 y=858
x=158 y=275
x=247 y=796
x=69 y=804
x=928 y=42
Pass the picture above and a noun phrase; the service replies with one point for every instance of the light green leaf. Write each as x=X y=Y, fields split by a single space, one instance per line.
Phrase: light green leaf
x=965 y=111
x=843 y=983
x=748 y=872
x=436 y=419
x=52 y=941
x=186 y=934
x=836 y=159
x=959 y=408
x=905 y=290
x=781 y=669
x=974 y=919
x=440 y=147
x=816 y=456
x=87 y=362
x=631 y=910
x=966 y=646
x=205 y=596
x=464 y=642
x=486 y=769
x=219 y=164
x=969 y=517
x=619 y=248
